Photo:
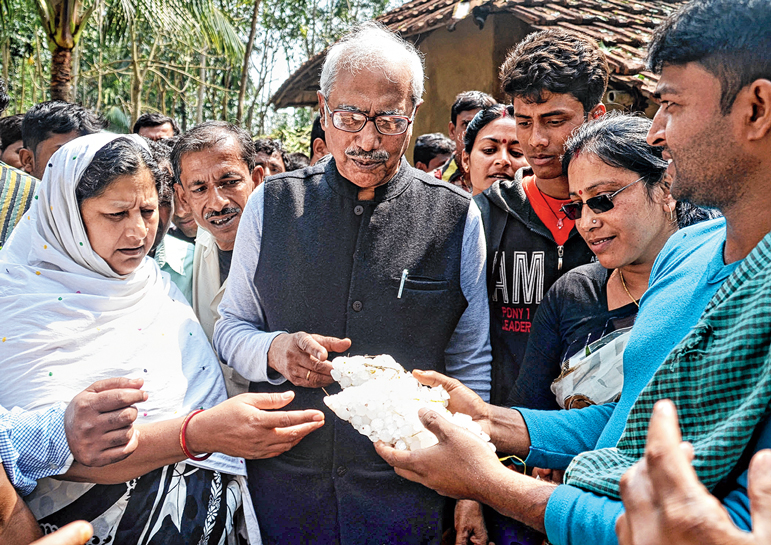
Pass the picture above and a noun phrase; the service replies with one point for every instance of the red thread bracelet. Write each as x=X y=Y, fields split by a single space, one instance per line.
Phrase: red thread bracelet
x=183 y=442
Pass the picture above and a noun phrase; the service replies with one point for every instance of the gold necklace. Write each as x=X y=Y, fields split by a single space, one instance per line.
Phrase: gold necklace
x=621 y=276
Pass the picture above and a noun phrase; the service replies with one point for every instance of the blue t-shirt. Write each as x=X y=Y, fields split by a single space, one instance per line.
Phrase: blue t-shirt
x=686 y=274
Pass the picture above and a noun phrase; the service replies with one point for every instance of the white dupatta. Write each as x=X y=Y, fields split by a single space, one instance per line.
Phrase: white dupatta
x=69 y=320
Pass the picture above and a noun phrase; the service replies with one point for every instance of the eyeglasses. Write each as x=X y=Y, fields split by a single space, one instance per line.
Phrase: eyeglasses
x=598 y=204
x=387 y=125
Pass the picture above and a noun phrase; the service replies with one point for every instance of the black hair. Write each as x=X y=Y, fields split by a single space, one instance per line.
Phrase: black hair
x=57 y=117
x=731 y=39
x=207 y=135
x=558 y=62
x=162 y=155
x=10 y=130
x=469 y=100
x=317 y=131
x=269 y=146
x=296 y=160
x=155 y=120
x=5 y=100
x=428 y=146
x=482 y=119
x=120 y=157
x=620 y=141
x=168 y=142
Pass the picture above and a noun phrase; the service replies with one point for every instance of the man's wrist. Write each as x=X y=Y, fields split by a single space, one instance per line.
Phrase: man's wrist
x=508 y=431
x=273 y=349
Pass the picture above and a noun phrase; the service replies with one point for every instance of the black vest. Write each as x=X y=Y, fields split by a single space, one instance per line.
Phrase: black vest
x=331 y=264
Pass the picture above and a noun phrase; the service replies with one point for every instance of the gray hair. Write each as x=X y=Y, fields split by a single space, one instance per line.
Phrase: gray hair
x=369 y=46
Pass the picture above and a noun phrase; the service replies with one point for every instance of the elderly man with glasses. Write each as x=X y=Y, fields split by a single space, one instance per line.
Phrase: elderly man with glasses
x=360 y=254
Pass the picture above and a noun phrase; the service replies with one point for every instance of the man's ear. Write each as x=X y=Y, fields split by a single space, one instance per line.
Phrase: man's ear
x=451 y=130
x=322 y=109
x=182 y=206
x=258 y=175
x=420 y=165
x=319 y=149
x=27 y=159
x=755 y=102
x=597 y=112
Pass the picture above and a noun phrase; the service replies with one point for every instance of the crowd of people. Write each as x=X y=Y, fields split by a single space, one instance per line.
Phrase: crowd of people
x=588 y=286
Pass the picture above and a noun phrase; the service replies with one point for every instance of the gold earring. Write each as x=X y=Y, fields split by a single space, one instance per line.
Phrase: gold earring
x=672 y=217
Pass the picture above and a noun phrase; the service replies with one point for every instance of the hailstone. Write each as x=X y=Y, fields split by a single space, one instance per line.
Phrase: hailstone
x=381 y=400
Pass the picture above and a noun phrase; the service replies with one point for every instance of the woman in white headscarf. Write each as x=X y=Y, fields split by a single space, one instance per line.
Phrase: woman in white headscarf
x=81 y=302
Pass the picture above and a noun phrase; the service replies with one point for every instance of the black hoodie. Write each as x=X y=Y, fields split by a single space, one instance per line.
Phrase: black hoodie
x=523 y=261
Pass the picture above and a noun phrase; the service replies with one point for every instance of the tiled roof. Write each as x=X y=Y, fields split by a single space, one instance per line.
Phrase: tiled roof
x=623 y=27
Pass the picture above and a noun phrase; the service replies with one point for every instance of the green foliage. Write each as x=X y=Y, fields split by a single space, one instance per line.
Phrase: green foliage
x=293 y=129
x=163 y=70
x=118 y=121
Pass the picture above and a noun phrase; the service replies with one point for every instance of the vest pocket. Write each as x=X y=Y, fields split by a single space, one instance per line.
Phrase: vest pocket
x=423 y=283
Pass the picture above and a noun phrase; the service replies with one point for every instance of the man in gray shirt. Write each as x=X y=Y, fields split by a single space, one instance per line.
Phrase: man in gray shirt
x=368 y=256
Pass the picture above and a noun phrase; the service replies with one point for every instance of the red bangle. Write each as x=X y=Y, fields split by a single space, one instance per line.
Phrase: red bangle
x=183 y=442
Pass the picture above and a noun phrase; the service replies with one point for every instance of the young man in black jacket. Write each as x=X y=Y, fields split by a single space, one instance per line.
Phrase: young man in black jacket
x=556 y=80
x=530 y=242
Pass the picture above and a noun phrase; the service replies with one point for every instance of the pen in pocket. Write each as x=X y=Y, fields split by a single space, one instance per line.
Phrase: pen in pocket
x=401 y=284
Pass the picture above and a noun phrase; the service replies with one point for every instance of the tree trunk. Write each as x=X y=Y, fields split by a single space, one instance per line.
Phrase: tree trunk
x=39 y=69
x=75 y=73
x=183 y=114
x=201 y=91
x=225 y=96
x=136 y=78
x=6 y=60
x=61 y=74
x=23 y=82
x=162 y=97
x=136 y=98
x=100 y=76
x=247 y=63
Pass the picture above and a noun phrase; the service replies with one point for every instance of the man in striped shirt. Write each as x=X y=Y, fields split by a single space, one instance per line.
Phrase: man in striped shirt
x=17 y=190
x=16 y=187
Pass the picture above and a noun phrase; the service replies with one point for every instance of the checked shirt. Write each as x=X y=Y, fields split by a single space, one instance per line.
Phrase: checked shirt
x=719 y=377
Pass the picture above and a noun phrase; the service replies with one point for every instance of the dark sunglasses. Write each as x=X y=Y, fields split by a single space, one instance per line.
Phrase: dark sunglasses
x=598 y=204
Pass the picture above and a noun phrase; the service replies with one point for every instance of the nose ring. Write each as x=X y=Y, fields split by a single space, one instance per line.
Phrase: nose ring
x=594 y=221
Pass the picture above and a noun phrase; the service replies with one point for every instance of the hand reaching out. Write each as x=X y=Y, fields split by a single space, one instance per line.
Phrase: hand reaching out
x=249 y=426
x=666 y=503
x=99 y=421
x=302 y=358
x=470 y=523
x=462 y=399
x=459 y=466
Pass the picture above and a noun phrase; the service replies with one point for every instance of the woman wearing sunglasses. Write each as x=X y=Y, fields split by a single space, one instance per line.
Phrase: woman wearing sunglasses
x=619 y=186
x=491 y=149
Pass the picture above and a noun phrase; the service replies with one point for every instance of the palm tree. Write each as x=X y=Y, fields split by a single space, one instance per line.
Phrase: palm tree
x=63 y=21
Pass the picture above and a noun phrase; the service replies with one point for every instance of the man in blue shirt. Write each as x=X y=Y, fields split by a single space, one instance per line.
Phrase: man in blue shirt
x=714 y=60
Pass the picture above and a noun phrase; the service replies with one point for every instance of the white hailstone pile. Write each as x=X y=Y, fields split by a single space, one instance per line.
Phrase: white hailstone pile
x=381 y=400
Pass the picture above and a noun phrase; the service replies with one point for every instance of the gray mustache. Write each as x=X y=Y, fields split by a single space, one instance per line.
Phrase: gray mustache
x=376 y=155
x=223 y=212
